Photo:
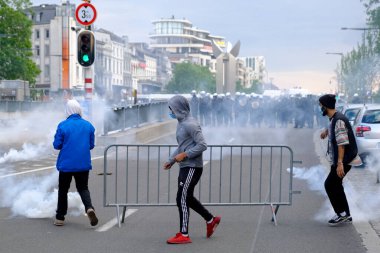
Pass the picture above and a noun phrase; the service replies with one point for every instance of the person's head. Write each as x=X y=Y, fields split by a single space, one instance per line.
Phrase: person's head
x=179 y=107
x=327 y=103
x=73 y=107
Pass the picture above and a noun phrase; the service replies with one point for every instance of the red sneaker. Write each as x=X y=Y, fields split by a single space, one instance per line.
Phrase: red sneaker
x=212 y=226
x=179 y=239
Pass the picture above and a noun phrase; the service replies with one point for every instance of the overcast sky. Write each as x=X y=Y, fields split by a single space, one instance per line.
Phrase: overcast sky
x=293 y=35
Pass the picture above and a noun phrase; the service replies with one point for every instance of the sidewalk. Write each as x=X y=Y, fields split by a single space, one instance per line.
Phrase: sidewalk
x=366 y=197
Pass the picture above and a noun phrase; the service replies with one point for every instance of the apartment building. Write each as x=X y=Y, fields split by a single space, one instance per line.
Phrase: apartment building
x=54 y=47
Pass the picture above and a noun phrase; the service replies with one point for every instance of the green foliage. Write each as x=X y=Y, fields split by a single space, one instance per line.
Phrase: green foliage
x=256 y=87
x=15 y=42
x=188 y=77
x=358 y=71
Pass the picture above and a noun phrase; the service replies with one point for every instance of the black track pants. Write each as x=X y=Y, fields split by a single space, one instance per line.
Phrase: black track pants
x=335 y=191
x=187 y=180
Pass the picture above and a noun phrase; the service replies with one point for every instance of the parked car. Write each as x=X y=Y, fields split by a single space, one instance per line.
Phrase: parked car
x=351 y=111
x=367 y=130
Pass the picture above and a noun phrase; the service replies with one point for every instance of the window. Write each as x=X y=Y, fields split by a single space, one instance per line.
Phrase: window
x=37 y=34
x=47 y=71
x=38 y=50
x=47 y=33
x=371 y=116
x=39 y=17
x=47 y=53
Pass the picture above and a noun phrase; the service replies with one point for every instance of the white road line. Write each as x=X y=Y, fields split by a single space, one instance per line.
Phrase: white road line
x=113 y=222
x=36 y=170
x=231 y=140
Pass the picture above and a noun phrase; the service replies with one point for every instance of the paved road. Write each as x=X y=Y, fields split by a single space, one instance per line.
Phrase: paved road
x=243 y=229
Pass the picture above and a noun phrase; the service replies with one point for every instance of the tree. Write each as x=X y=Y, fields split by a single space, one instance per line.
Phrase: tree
x=15 y=42
x=358 y=71
x=256 y=87
x=189 y=76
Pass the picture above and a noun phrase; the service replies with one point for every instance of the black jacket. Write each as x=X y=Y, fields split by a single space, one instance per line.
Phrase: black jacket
x=350 y=150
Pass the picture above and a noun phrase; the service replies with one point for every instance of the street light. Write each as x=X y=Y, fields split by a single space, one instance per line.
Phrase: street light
x=341 y=54
x=340 y=87
x=364 y=29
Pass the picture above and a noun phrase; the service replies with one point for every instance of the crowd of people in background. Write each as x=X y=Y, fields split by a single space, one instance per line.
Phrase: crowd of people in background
x=243 y=110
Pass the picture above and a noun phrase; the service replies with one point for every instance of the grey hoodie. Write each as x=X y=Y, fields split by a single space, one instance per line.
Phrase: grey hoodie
x=189 y=134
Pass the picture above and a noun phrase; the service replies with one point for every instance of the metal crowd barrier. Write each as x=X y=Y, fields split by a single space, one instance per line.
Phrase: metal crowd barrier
x=233 y=175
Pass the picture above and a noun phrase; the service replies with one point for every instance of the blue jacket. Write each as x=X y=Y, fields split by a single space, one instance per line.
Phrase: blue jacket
x=75 y=137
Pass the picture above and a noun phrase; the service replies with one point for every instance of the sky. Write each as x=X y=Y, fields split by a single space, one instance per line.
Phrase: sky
x=292 y=35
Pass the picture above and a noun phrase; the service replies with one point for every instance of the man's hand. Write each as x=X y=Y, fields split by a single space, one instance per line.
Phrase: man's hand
x=340 y=170
x=324 y=133
x=180 y=157
x=167 y=166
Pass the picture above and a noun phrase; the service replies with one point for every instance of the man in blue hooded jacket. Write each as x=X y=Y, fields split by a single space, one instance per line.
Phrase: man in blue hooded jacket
x=188 y=155
x=74 y=138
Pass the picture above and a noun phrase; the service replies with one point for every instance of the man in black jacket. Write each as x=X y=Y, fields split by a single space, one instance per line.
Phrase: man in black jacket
x=342 y=149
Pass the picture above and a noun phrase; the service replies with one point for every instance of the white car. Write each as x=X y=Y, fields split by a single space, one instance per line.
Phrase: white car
x=367 y=130
x=351 y=111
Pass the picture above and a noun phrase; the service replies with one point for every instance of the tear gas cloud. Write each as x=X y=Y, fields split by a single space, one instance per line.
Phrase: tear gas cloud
x=363 y=205
x=27 y=137
x=36 y=197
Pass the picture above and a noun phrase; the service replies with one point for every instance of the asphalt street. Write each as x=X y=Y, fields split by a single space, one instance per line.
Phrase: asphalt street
x=243 y=228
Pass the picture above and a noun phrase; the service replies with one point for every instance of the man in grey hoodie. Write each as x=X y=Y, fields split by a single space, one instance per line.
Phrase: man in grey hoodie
x=188 y=155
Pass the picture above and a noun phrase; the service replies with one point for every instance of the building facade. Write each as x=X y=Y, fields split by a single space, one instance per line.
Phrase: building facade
x=184 y=42
x=54 y=48
x=256 y=67
x=112 y=74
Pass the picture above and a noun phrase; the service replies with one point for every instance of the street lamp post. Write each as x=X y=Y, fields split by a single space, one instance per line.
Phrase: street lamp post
x=363 y=29
x=340 y=84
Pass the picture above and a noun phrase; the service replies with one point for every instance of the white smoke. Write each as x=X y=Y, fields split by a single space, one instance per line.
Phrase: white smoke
x=36 y=197
x=363 y=205
x=28 y=152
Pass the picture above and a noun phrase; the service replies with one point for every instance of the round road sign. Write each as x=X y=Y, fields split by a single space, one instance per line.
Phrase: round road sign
x=85 y=14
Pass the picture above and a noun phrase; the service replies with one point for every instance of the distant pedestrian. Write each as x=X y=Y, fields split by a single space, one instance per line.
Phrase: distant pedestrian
x=188 y=155
x=343 y=150
x=74 y=138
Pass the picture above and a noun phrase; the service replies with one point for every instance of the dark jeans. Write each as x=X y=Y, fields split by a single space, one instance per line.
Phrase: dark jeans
x=187 y=180
x=335 y=191
x=81 y=182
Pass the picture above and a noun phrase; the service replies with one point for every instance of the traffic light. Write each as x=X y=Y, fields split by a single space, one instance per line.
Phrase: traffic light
x=86 y=48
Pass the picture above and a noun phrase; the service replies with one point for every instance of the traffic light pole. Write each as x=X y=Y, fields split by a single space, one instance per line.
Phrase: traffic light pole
x=88 y=87
x=85 y=14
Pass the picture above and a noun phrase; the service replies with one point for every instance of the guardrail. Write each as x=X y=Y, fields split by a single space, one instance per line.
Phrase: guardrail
x=121 y=118
x=108 y=118
x=233 y=175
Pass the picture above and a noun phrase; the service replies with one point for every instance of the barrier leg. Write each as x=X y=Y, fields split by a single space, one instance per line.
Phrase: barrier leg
x=123 y=216
x=118 y=215
x=274 y=212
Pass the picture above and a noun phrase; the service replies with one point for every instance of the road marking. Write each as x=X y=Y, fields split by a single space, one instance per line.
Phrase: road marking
x=231 y=140
x=110 y=224
x=36 y=170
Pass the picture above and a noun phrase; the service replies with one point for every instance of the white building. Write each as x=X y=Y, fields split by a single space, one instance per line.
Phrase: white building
x=255 y=65
x=184 y=42
x=112 y=71
x=54 y=47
